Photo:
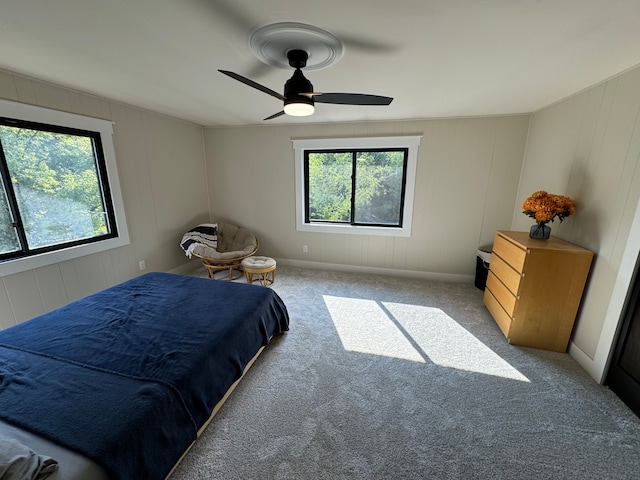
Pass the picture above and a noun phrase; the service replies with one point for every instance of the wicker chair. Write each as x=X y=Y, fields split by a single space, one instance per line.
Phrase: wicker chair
x=233 y=245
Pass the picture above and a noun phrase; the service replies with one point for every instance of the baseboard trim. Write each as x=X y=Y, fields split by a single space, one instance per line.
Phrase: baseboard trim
x=394 y=272
x=586 y=362
x=185 y=268
x=337 y=267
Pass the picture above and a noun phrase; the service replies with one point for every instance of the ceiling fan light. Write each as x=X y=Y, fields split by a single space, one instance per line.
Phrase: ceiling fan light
x=296 y=109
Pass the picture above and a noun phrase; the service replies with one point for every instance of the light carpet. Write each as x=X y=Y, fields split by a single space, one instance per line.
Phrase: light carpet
x=394 y=378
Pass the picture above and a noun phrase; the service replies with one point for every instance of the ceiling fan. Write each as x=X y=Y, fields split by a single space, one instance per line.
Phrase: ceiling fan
x=299 y=97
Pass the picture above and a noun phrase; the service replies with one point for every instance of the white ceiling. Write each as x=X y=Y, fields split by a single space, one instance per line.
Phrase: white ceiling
x=437 y=58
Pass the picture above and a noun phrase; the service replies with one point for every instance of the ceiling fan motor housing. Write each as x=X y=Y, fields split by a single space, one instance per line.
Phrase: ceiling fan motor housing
x=296 y=85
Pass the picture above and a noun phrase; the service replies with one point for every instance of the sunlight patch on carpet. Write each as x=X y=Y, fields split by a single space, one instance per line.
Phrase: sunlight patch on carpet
x=364 y=327
x=413 y=332
x=447 y=343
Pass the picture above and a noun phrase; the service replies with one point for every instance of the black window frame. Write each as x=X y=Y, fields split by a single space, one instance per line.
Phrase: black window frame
x=354 y=153
x=103 y=182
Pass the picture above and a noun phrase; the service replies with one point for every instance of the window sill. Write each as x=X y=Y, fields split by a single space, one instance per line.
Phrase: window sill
x=9 y=267
x=353 y=229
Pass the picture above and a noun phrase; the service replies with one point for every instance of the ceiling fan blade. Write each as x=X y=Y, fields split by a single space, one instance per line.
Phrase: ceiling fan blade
x=275 y=115
x=258 y=69
x=253 y=84
x=244 y=19
x=231 y=12
x=367 y=45
x=351 y=99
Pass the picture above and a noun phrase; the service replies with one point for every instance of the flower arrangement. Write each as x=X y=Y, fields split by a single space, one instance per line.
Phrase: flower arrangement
x=545 y=207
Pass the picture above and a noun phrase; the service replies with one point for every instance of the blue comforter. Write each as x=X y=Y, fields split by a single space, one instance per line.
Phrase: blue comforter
x=127 y=376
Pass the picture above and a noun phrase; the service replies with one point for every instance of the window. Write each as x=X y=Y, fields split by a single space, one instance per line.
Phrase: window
x=356 y=185
x=59 y=198
x=55 y=194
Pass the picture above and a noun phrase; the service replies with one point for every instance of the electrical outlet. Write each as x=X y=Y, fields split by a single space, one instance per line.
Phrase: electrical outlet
x=305 y=248
x=142 y=264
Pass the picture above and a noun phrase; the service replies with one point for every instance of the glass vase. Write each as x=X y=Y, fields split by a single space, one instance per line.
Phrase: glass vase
x=540 y=231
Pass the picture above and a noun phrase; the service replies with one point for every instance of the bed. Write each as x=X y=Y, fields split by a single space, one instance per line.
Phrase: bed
x=123 y=381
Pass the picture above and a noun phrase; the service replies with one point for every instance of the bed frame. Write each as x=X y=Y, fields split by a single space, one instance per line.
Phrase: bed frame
x=216 y=409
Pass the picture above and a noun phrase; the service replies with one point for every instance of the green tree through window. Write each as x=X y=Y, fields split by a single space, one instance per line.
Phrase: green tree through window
x=54 y=193
x=357 y=187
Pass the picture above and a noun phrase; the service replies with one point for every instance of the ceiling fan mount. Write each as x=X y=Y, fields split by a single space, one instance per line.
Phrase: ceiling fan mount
x=297 y=58
x=272 y=44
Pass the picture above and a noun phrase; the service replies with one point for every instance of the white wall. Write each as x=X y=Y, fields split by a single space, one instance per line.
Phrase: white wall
x=163 y=179
x=467 y=176
x=588 y=147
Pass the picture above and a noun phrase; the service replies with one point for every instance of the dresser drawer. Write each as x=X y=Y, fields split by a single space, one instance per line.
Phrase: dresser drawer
x=502 y=293
x=511 y=253
x=505 y=274
x=497 y=312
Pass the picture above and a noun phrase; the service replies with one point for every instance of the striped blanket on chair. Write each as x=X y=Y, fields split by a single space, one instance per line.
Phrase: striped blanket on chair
x=205 y=234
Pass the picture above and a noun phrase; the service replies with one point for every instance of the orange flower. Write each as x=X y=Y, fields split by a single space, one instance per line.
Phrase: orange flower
x=545 y=207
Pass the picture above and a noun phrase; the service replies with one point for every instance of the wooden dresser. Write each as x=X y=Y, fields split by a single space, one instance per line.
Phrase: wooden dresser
x=534 y=288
